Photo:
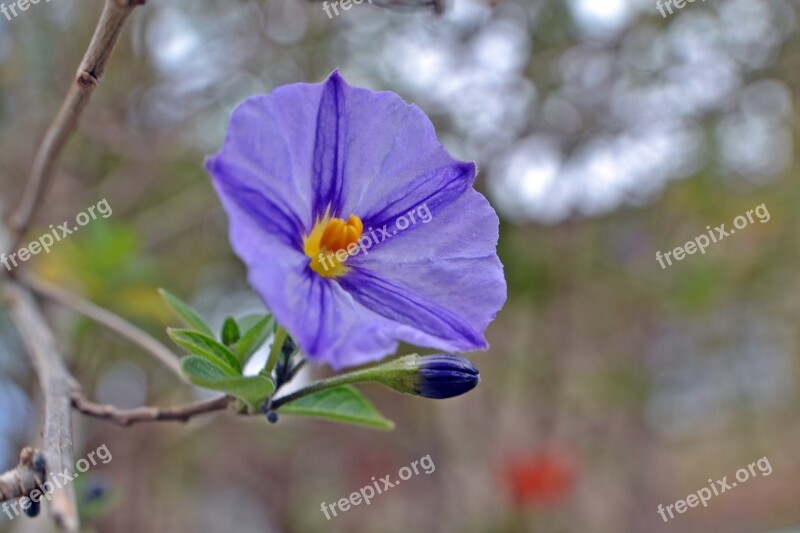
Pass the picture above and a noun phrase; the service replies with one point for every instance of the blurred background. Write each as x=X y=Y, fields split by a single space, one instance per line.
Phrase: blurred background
x=604 y=133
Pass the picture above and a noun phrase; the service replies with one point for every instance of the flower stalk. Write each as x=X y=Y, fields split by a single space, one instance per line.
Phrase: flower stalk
x=430 y=376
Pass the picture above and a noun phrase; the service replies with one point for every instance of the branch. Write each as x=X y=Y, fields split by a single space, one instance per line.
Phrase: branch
x=129 y=417
x=90 y=73
x=28 y=475
x=111 y=321
x=57 y=386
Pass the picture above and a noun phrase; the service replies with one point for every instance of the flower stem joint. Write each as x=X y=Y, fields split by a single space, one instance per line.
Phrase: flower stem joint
x=431 y=376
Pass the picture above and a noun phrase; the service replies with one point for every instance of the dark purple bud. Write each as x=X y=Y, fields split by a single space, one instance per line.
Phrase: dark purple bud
x=445 y=376
x=430 y=376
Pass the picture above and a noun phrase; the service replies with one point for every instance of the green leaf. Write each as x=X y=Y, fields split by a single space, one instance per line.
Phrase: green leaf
x=188 y=316
x=203 y=373
x=248 y=322
x=257 y=330
x=339 y=404
x=207 y=347
x=230 y=332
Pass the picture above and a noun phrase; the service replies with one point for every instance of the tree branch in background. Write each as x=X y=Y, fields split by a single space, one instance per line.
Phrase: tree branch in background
x=128 y=417
x=111 y=321
x=90 y=73
x=28 y=475
x=57 y=387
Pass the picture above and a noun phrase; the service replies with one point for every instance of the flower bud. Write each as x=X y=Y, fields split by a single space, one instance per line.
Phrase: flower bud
x=430 y=376
x=445 y=376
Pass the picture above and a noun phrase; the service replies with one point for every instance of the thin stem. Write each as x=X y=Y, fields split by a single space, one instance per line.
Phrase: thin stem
x=290 y=375
x=275 y=351
x=90 y=73
x=57 y=386
x=128 y=417
x=111 y=321
x=357 y=376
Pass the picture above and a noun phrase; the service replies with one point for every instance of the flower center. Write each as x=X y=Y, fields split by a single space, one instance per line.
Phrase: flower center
x=331 y=241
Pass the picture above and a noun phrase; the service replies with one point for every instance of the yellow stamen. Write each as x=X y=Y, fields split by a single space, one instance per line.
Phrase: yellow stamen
x=327 y=244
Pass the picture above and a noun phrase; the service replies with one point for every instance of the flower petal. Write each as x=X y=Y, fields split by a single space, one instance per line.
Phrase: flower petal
x=255 y=199
x=436 y=188
x=328 y=179
x=436 y=326
x=376 y=156
x=450 y=260
x=256 y=168
x=323 y=318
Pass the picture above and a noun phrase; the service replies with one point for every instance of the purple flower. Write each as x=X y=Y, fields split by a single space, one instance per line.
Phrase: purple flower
x=357 y=228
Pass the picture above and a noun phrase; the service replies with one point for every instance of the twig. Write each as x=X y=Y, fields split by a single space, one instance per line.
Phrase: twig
x=29 y=473
x=109 y=320
x=90 y=73
x=57 y=386
x=129 y=417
